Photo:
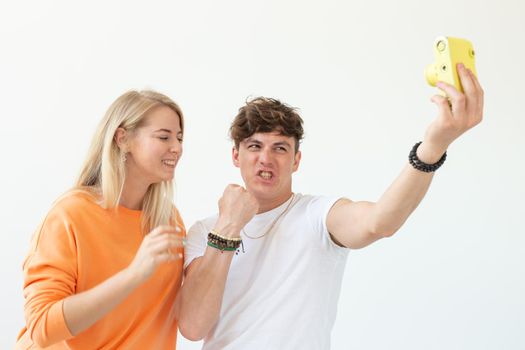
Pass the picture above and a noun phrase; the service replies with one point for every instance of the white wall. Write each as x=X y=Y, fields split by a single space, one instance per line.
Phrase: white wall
x=452 y=278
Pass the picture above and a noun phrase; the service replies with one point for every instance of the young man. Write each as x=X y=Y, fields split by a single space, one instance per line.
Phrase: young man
x=281 y=291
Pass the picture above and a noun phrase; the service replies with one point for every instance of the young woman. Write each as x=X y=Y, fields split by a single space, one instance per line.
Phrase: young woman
x=105 y=265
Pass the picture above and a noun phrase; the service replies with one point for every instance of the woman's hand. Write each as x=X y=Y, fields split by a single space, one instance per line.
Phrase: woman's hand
x=162 y=244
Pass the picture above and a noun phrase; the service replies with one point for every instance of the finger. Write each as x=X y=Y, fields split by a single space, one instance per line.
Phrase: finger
x=163 y=243
x=475 y=80
x=480 y=93
x=229 y=189
x=472 y=92
x=232 y=187
x=159 y=230
x=238 y=188
x=466 y=80
x=456 y=98
x=156 y=247
x=442 y=105
x=168 y=257
x=450 y=90
x=167 y=228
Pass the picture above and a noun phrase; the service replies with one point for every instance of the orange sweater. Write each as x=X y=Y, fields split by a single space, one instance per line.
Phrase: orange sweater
x=78 y=246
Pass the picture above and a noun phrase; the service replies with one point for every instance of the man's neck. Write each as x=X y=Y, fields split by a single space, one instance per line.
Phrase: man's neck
x=269 y=204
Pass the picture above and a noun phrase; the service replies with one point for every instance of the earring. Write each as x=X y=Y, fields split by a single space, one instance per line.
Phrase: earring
x=124 y=157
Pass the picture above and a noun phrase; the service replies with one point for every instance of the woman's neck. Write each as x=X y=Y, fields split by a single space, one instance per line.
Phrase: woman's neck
x=132 y=196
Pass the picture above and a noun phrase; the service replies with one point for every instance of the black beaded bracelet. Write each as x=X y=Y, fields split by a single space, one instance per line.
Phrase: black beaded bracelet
x=422 y=166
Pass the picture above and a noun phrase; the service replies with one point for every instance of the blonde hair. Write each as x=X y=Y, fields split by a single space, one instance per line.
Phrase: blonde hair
x=103 y=172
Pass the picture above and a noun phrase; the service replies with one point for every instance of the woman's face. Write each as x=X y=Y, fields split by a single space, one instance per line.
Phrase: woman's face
x=155 y=147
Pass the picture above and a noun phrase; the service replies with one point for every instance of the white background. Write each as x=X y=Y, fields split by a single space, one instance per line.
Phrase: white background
x=452 y=278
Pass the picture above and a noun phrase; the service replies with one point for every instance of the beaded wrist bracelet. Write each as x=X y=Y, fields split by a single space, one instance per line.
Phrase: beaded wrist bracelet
x=215 y=240
x=221 y=248
x=422 y=166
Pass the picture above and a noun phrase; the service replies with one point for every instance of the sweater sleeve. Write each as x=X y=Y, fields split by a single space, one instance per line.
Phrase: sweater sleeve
x=50 y=275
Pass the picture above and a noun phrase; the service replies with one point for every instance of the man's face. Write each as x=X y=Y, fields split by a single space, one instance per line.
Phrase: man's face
x=267 y=161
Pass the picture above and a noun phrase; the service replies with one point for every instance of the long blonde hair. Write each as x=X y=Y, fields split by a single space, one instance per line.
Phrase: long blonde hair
x=103 y=172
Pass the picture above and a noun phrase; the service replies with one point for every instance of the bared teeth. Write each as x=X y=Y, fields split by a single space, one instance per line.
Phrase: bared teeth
x=169 y=162
x=266 y=175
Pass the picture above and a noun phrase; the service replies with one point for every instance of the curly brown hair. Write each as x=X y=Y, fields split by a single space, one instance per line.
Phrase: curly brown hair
x=263 y=114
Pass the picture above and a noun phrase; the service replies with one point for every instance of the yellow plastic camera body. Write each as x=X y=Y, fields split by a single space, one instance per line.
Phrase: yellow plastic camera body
x=448 y=53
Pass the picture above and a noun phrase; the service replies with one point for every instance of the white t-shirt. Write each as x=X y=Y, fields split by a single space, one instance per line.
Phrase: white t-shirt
x=282 y=293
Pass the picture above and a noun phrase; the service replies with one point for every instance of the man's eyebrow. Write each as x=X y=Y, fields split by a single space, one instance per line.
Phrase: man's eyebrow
x=282 y=143
x=250 y=139
x=278 y=143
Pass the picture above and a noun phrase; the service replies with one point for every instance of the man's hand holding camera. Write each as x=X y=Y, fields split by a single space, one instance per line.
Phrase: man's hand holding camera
x=457 y=114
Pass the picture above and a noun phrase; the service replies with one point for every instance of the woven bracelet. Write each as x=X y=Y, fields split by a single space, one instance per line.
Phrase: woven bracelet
x=222 y=243
x=228 y=249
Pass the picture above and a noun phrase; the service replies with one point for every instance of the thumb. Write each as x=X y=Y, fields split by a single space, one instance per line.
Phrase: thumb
x=442 y=105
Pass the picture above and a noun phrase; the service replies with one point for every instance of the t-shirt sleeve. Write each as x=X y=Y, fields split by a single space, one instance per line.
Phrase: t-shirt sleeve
x=318 y=209
x=196 y=241
x=50 y=275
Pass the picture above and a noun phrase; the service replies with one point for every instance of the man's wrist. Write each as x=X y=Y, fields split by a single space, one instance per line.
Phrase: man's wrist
x=430 y=153
x=420 y=165
x=227 y=228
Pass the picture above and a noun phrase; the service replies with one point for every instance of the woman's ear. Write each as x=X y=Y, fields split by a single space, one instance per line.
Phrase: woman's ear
x=121 y=138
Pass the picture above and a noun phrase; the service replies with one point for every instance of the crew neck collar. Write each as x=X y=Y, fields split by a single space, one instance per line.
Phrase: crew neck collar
x=126 y=211
x=295 y=197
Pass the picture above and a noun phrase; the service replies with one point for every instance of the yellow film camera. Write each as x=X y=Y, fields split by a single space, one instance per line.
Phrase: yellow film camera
x=448 y=52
